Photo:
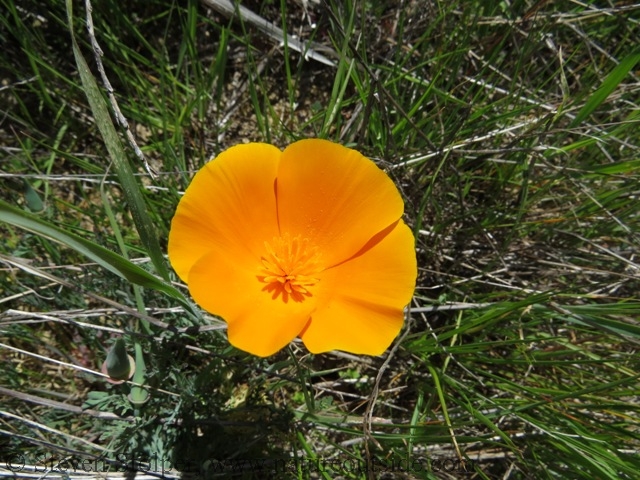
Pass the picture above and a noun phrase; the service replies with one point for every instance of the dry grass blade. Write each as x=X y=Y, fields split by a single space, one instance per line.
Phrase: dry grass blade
x=236 y=10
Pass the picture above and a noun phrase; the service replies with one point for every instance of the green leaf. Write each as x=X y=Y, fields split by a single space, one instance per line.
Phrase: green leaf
x=95 y=399
x=133 y=195
x=102 y=256
x=608 y=86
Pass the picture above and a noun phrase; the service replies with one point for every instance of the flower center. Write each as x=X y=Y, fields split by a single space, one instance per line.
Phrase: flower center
x=289 y=267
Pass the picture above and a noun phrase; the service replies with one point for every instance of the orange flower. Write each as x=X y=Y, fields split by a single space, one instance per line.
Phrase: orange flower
x=304 y=242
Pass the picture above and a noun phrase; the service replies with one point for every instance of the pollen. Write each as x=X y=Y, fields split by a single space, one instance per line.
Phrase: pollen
x=290 y=267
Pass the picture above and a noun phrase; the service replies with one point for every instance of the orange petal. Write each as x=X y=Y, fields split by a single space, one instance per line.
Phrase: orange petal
x=230 y=201
x=361 y=301
x=334 y=196
x=226 y=284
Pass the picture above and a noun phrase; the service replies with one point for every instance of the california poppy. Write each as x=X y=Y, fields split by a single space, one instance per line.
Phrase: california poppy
x=304 y=242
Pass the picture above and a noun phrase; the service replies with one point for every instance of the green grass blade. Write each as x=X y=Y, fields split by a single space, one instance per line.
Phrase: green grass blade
x=104 y=257
x=608 y=86
x=131 y=189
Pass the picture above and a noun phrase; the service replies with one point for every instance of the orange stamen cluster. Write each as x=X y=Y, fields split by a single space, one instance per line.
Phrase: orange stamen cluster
x=290 y=266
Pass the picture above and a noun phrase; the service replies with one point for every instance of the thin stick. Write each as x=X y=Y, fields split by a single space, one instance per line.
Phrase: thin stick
x=120 y=118
x=368 y=414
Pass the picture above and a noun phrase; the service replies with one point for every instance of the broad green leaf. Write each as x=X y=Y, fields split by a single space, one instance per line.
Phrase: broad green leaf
x=132 y=193
x=102 y=256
